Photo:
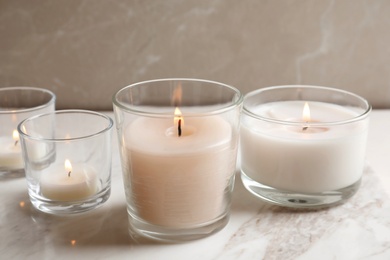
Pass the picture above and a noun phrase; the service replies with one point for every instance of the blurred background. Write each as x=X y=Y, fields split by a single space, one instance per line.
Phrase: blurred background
x=86 y=50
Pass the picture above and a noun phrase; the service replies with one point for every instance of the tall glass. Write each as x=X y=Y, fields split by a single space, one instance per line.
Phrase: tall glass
x=17 y=104
x=178 y=141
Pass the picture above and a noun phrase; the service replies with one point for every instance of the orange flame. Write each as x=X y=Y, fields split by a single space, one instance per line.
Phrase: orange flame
x=15 y=135
x=306 y=113
x=177 y=116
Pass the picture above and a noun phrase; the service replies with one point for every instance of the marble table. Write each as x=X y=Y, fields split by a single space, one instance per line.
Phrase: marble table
x=357 y=229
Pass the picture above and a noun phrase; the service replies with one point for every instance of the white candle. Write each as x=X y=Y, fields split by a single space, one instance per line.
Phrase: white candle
x=10 y=152
x=179 y=181
x=307 y=158
x=68 y=182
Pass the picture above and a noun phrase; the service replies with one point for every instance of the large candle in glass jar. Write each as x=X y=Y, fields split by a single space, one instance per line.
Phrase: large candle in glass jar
x=179 y=180
x=178 y=170
x=305 y=151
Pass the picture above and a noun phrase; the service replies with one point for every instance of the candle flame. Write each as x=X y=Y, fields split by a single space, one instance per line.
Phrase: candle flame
x=73 y=242
x=68 y=166
x=306 y=113
x=178 y=116
x=177 y=113
x=15 y=135
x=178 y=121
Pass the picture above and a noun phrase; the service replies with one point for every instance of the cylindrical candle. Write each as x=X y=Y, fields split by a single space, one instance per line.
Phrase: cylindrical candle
x=72 y=183
x=303 y=160
x=178 y=167
x=179 y=181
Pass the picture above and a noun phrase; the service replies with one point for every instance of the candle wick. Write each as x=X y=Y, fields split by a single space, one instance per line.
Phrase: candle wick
x=305 y=127
x=179 y=128
x=16 y=142
x=69 y=173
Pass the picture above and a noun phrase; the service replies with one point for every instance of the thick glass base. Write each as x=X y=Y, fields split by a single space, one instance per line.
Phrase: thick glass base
x=299 y=200
x=69 y=207
x=140 y=230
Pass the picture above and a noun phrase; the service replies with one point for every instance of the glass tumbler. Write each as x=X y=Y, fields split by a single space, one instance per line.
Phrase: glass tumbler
x=68 y=160
x=16 y=104
x=178 y=142
x=303 y=146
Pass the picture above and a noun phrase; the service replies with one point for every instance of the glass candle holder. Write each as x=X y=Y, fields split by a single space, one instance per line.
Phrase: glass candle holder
x=16 y=104
x=303 y=146
x=178 y=142
x=68 y=160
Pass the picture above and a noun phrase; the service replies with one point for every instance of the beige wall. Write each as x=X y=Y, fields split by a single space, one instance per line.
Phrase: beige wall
x=86 y=50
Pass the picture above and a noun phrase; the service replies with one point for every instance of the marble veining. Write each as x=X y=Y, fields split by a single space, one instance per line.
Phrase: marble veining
x=304 y=234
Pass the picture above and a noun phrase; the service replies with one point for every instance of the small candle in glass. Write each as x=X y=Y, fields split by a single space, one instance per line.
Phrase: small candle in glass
x=72 y=173
x=17 y=104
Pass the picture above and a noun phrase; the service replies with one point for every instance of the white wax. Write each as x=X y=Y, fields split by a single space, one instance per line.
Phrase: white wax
x=55 y=184
x=179 y=181
x=10 y=154
x=315 y=160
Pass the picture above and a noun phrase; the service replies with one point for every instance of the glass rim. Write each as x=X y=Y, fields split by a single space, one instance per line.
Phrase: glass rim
x=24 y=110
x=359 y=117
x=66 y=111
x=141 y=112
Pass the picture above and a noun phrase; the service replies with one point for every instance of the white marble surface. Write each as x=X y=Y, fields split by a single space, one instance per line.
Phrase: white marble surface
x=358 y=229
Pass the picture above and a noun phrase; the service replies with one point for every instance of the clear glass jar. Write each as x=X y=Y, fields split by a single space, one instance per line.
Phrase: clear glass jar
x=178 y=141
x=303 y=146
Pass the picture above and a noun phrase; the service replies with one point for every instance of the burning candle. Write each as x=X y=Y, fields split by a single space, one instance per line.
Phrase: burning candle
x=303 y=146
x=307 y=159
x=178 y=169
x=10 y=152
x=68 y=182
